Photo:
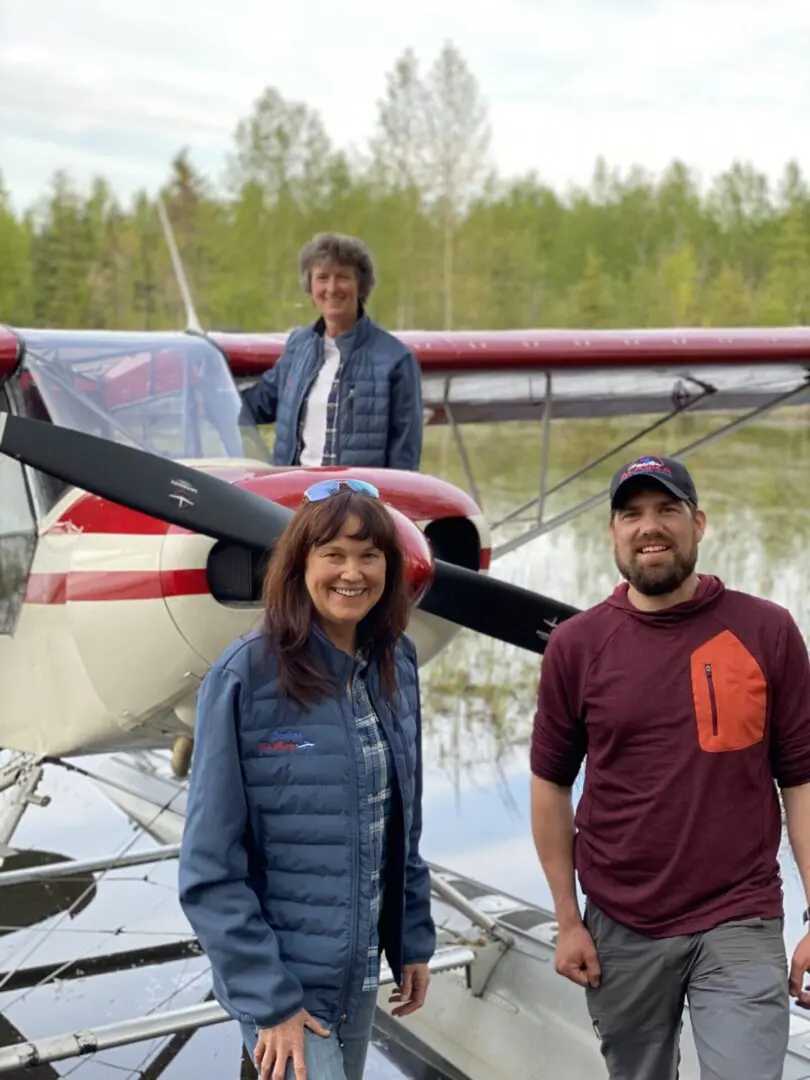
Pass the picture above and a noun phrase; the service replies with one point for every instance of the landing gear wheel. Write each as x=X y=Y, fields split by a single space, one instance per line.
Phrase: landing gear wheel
x=181 y=756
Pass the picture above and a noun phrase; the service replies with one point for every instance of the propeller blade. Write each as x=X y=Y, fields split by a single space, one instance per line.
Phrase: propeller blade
x=145 y=482
x=193 y=500
x=494 y=608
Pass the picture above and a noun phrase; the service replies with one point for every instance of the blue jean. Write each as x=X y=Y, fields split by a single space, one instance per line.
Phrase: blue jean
x=341 y=1055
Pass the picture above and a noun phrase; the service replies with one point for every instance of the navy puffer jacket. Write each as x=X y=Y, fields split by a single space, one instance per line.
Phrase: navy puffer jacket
x=379 y=415
x=271 y=872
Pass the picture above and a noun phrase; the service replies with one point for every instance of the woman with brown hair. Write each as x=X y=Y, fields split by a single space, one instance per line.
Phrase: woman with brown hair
x=344 y=391
x=300 y=861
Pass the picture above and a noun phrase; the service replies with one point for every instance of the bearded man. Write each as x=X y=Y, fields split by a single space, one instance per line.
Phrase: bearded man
x=692 y=703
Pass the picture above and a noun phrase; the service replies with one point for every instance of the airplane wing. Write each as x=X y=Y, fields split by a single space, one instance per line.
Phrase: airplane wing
x=497 y=375
x=492 y=376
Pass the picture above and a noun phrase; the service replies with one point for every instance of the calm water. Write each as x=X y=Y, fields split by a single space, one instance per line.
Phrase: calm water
x=479 y=699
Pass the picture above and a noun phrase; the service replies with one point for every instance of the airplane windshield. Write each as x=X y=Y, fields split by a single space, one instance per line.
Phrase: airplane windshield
x=170 y=394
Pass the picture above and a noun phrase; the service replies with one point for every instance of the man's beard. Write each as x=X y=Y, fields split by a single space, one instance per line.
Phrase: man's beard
x=662 y=579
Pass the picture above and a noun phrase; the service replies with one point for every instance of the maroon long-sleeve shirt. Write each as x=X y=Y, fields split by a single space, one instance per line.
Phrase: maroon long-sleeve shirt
x=687 y=716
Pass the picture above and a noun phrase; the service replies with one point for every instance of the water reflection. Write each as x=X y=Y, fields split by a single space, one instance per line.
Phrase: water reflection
x=134 y=908
x=27 y=904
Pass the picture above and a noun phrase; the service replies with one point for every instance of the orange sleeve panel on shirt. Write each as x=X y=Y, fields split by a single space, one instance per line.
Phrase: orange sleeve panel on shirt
x=730 y=693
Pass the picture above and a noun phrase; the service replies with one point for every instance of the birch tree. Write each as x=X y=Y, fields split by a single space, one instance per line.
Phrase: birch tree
x=456 y=153
x=279 y=171
x=398 y=172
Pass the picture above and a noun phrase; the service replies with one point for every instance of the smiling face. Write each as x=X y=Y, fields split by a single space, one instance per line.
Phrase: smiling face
x=335 y=294
x=345 y=577
x=655 y=540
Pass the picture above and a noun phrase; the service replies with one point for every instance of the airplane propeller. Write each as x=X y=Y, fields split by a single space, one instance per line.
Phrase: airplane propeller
x=190 y=499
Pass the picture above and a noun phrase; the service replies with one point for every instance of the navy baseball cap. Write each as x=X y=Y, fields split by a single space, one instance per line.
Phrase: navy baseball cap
x=668 y=472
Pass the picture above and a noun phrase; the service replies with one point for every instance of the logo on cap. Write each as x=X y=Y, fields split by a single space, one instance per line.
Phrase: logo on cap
x=645 y=465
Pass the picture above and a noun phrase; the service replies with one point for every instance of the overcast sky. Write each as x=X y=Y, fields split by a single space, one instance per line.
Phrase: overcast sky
x=118 y=86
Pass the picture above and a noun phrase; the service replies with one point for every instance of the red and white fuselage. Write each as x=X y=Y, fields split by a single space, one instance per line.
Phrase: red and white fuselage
x=119 y=624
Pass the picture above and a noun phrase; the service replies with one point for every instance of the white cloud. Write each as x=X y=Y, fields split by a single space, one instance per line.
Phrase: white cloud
x=92 y=86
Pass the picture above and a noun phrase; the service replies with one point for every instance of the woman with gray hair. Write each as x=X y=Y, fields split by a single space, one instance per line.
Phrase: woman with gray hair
x=345 y=391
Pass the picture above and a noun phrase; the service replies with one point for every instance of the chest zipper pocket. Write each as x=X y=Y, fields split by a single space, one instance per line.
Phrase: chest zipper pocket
x=712 y=699
x=350 y=407
x=726 y=677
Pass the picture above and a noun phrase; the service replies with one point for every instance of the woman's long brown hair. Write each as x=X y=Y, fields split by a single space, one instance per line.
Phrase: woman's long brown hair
x=289 y=612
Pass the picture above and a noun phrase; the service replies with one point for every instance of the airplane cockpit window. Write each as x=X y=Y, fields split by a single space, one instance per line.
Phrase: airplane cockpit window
x=17 y=537
x=28 y=402
x=171 y=395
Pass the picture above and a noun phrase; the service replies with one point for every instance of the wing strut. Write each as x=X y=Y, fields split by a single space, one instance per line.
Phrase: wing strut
x=157 y=1025
x=600 y=498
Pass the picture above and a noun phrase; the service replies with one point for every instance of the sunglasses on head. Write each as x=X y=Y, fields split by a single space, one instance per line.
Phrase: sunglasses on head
x=325 y=488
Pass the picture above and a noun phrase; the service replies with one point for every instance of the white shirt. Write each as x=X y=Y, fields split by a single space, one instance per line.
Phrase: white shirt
x=314 y=430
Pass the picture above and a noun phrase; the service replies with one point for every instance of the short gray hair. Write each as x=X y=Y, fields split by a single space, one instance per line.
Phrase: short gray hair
x=342 y=250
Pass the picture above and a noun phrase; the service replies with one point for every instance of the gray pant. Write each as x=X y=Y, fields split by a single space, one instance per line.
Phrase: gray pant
x=735 y=978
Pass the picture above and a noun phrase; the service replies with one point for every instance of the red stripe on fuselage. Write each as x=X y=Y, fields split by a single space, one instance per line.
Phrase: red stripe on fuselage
x=46 y=589
x=82 y=586
x=90 y=514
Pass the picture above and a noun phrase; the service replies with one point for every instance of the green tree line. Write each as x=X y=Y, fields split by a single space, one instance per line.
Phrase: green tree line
x=457 y=246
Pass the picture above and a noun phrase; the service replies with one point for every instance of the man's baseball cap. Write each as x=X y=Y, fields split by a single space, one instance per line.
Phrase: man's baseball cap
x=666 y=471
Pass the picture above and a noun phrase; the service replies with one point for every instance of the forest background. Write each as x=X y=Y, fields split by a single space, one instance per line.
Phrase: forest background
x=456 y=245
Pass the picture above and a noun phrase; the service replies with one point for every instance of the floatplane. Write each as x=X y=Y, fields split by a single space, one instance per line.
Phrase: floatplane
x=137 y=510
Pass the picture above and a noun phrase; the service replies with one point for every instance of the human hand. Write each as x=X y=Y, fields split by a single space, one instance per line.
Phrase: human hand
x=415 y=980
x=575 y=956
x=799 y=966
x=276 y=1045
